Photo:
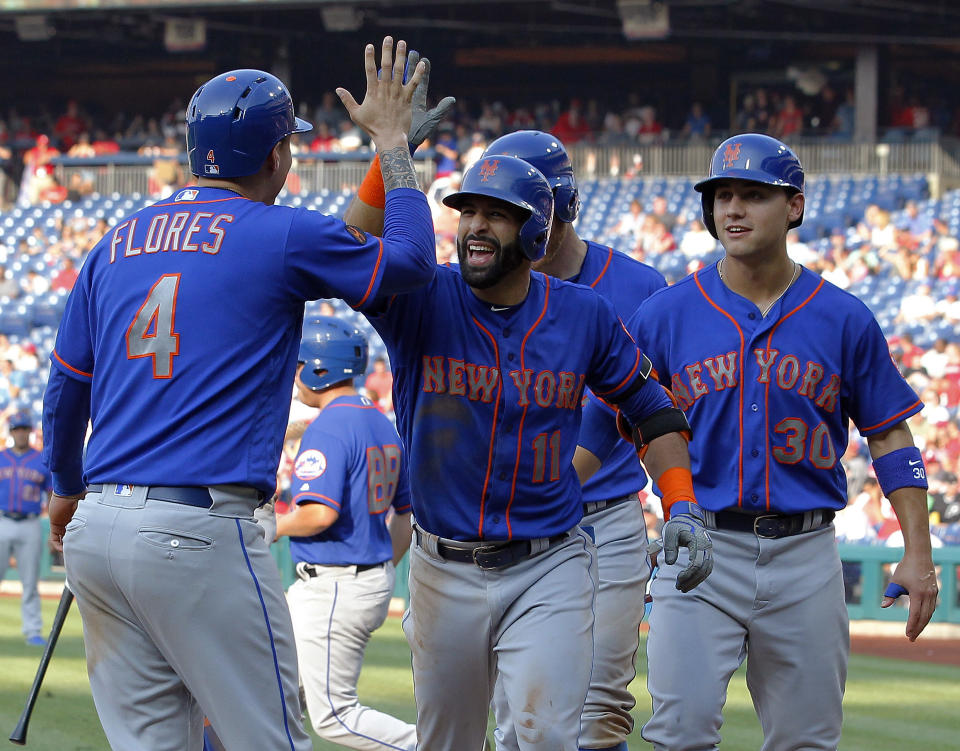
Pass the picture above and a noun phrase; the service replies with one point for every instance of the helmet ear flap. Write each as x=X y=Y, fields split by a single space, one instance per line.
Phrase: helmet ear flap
x=706 y=203
x=566 y=203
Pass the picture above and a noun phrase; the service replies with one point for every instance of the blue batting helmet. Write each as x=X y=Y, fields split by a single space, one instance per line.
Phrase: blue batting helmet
x=546 y=153
x=331 y=352
x=20 y=419
x=234 y=120
x=754 y=157
x=518 y=183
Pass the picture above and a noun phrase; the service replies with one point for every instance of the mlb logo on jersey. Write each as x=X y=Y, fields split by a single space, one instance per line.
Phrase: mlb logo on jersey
x=310 y=465
x=123 y=490
x=186 y=195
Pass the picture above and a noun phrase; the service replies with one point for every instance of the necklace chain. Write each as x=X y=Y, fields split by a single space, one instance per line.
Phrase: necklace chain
x=764 y=311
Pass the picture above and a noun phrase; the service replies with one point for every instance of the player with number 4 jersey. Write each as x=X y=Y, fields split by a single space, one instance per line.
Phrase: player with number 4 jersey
x=179 y=344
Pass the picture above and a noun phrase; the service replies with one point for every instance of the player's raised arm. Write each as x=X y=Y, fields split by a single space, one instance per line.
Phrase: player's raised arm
x=385 y=114
x=901 y=474
x=366 y=209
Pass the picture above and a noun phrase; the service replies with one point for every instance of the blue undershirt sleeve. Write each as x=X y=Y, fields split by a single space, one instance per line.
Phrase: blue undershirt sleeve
x=66 y=412
x=407 y=223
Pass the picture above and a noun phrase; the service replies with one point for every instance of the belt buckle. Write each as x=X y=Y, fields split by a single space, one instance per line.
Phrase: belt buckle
x=756 y=531
x=484 y=550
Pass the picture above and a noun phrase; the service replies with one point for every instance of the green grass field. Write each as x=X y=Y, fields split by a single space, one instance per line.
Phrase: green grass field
x=891 y=705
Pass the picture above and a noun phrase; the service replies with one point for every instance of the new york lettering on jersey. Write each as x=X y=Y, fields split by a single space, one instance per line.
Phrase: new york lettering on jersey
x=794 y=393
x=343 y=450
x=489 y=385
x=167 y=312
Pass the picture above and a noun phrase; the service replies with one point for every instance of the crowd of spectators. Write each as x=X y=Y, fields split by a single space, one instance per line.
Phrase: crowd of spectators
x=28 y=143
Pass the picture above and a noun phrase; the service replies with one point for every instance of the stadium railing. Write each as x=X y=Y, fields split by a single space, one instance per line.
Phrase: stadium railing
x=127 y=173
x=312 y=172
x=819 y=155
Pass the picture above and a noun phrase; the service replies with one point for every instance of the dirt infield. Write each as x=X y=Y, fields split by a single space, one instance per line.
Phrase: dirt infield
x=939 y=651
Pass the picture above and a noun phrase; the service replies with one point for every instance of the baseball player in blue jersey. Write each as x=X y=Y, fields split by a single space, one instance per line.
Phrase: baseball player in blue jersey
x=179 y=343
x=24 y=488
x=490 y=362
x=611 y=506
x=348 y=476
x=770 y=363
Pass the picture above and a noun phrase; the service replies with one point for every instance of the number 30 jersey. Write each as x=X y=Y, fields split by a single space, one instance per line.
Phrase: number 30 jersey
x=185 y=322
x=350 y=459
x=770 y=398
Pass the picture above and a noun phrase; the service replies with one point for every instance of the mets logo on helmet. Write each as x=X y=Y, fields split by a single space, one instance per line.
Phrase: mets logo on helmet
x=731 y=154
x=488 y=169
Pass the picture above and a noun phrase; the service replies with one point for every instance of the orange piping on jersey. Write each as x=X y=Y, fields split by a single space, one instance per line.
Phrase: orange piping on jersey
x=523 y=417
x=890 y=419
x=604 y=269
x=351 y=406
x=197 y=203
x=314 y=495
x=68 y=366
x=766 y=396
x=493 y=427
x=373 y=278
x=696 y=278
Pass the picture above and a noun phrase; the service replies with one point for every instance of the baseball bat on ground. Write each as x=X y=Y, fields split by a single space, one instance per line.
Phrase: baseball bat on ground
x=19 y=734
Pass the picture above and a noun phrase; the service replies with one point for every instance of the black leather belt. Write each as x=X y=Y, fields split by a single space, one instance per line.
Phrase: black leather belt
x=17 y=516
x=315 y=569
x=186 y=495
x=592 y=507
x=490 y=555
x=770 y=526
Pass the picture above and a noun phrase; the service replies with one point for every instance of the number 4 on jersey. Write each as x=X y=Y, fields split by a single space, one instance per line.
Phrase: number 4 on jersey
x=151 y=332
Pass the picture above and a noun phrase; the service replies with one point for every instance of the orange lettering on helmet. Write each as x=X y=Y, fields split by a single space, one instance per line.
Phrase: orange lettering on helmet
x=488 y=169
x=730 y=155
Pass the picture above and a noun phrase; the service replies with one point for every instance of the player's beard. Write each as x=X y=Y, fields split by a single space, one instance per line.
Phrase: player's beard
x=506 y=258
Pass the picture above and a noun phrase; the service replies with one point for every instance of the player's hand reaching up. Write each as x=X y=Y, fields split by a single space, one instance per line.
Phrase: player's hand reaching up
x=425 y=121
x=385 y=112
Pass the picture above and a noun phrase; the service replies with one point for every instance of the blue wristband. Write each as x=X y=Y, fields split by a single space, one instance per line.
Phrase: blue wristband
x=902 y=468
x=687 y=507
